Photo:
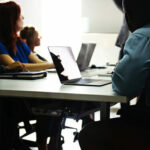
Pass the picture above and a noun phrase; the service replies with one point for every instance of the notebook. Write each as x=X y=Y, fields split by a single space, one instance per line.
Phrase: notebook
x=67 y=68
x=85 y=55
x=23 y=75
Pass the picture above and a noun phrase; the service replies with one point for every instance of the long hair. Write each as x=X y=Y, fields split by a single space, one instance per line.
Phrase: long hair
x=9 y=14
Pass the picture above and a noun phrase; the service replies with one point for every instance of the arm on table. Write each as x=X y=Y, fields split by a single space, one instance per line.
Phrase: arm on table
x=34 y=65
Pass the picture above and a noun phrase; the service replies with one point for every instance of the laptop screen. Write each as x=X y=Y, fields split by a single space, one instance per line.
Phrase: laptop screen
x=64 y=62
x=85 y=55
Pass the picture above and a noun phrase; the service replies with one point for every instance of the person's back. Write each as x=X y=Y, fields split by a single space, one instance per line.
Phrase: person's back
x=131 y=78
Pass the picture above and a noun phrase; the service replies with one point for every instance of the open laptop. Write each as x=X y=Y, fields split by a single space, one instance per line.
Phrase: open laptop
x=67 y=68
x=83 y=61
x=85 y=55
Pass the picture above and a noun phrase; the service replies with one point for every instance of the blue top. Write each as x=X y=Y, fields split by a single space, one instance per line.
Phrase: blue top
x=22 y=54
x=133 y=71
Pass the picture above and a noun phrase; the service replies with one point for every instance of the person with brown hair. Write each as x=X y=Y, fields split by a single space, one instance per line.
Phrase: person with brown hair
x=131 y=78
x=32 y=39
x=46 y=126
x=12 y=48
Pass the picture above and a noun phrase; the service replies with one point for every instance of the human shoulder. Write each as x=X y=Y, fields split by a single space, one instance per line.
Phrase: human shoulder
x=138 y=39
x=3 y=49
x=2 y=46
x=20 y=43
x=143 y=31
x=23 y=47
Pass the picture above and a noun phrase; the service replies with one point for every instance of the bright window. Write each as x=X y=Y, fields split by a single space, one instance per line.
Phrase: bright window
x=61 y=22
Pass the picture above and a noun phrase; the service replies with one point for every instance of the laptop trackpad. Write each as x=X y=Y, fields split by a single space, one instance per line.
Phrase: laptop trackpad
x=91 y=82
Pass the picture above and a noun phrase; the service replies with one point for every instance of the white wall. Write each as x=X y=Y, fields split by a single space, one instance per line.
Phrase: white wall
x=105 y=50
x=31 y=10
x=102 y=16
x=99 y=16
x=61 y=21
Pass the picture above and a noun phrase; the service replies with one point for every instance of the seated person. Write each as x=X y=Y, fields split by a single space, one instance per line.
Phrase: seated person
x=16 y=66
x=131 y=77
x=14 y=49
x=32 y=39
x=46 y=126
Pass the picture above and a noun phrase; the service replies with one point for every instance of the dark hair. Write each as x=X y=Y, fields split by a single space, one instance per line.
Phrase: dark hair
x=9 y=14
x=28 y=34
x=137 y=13
x=119 y=4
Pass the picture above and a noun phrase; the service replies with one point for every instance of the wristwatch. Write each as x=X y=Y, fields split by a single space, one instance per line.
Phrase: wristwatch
x=2 y=69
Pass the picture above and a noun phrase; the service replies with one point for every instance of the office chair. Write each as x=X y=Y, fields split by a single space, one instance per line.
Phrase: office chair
x=35 y=111
x=71 y=110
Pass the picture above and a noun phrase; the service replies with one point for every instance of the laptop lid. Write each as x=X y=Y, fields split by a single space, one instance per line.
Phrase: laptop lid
x=65 y=63
x=85 y=55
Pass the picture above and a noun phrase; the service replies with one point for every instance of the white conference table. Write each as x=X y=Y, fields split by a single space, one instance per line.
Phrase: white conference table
x=50 y=88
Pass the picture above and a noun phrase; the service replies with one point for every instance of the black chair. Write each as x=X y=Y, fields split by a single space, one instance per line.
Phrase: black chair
x=76 y=110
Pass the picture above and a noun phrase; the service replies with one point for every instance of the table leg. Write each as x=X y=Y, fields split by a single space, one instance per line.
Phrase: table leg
x=105 y=111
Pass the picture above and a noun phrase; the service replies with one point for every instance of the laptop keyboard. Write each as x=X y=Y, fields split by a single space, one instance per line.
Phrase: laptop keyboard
x=88 y=81
x=90 y=73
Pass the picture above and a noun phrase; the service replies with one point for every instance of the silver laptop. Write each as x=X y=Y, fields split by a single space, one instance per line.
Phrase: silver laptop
x=67 y=68
x=85 y=55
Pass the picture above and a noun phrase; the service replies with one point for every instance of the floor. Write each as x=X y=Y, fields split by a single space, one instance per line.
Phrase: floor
x=68 y=133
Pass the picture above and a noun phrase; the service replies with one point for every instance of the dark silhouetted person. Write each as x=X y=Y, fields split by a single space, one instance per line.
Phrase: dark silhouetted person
x=124 y=31
x=131 y=77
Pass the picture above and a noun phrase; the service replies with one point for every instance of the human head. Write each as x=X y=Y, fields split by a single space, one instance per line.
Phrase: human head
x=137 y=13
x=10 y=23
x=31 y=36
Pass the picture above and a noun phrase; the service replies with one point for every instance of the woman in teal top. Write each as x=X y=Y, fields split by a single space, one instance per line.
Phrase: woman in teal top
x=131 y=77
x=134 y=69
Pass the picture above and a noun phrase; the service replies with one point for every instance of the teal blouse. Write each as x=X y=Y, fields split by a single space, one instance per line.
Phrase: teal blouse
x=133 y=71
